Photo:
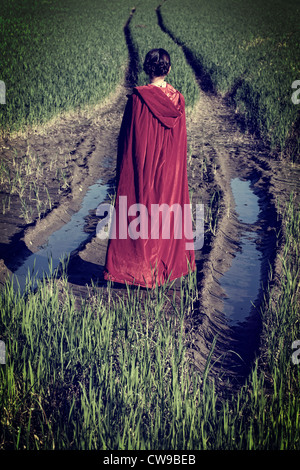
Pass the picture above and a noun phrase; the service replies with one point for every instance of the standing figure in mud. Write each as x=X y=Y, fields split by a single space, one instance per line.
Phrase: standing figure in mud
x=151 y=238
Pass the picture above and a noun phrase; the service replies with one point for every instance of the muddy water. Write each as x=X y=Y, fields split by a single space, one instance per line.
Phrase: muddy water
x=241 y=283
x=61 y=242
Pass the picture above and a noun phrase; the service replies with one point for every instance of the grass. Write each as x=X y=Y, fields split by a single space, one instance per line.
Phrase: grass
x=56 y=58
x=111 y=371
x=281 y=312
x=114 y=372
x=251 y=55
x=145 y=35
x=23 y=179
x=112 y=358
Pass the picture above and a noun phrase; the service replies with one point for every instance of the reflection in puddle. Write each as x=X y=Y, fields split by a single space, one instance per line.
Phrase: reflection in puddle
x=62 y=242
x=246 y=201
x=241 y=283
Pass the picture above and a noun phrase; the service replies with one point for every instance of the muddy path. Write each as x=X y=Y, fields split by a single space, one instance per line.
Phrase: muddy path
x=231 y=153
x=84 y=145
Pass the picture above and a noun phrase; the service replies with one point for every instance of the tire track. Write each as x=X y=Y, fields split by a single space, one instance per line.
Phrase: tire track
x=82 y=144
x=217 y=138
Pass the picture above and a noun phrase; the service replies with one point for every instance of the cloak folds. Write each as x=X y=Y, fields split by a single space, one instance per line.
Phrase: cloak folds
x=151 y=238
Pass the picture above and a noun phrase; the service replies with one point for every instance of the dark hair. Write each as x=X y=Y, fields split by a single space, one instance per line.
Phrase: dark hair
x=157 y=63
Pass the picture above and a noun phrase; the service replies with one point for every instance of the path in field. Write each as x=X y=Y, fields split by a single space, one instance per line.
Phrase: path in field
x=83 y=144
x=80 y=142
x=216 y=139
x=215 y=133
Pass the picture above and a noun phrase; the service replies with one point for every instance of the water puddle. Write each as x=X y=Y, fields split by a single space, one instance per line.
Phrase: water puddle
x=241 y=283
x=62 y=242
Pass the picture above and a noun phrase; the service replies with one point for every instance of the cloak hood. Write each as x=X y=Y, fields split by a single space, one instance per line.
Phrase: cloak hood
x=160 y=104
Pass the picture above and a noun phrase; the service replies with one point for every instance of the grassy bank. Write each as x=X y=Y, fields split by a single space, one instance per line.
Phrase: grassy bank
x=58 y=56
x=114 y=372
x=250 y=52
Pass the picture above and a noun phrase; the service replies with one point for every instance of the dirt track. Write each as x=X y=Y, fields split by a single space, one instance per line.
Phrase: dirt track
x=85 y=145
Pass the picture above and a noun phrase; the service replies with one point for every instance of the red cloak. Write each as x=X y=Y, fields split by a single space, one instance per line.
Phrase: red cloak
x=151 y=171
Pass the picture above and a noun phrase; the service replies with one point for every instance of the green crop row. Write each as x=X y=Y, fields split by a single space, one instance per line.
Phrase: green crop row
x=251 y=52
x=146 y=35
x=114 y=372
x=56 y=56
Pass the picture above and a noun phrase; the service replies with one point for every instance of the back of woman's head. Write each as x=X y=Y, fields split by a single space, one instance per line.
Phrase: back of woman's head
x=157 y=63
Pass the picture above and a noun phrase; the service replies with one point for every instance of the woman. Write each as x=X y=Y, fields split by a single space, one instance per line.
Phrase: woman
x=151 y=233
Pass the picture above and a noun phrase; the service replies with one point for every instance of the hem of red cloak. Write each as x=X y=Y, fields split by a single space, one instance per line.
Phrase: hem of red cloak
x=110 y=277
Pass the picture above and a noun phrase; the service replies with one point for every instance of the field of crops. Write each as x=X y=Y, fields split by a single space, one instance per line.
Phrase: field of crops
x=112 y=372
x=56 y=56
x=251 y=52
x=115 y=375
x=146 y=34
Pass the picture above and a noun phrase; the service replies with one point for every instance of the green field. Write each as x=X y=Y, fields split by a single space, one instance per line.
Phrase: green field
x=57 y=56
x=114 y=373
x=251 y=52
x=146 y=34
